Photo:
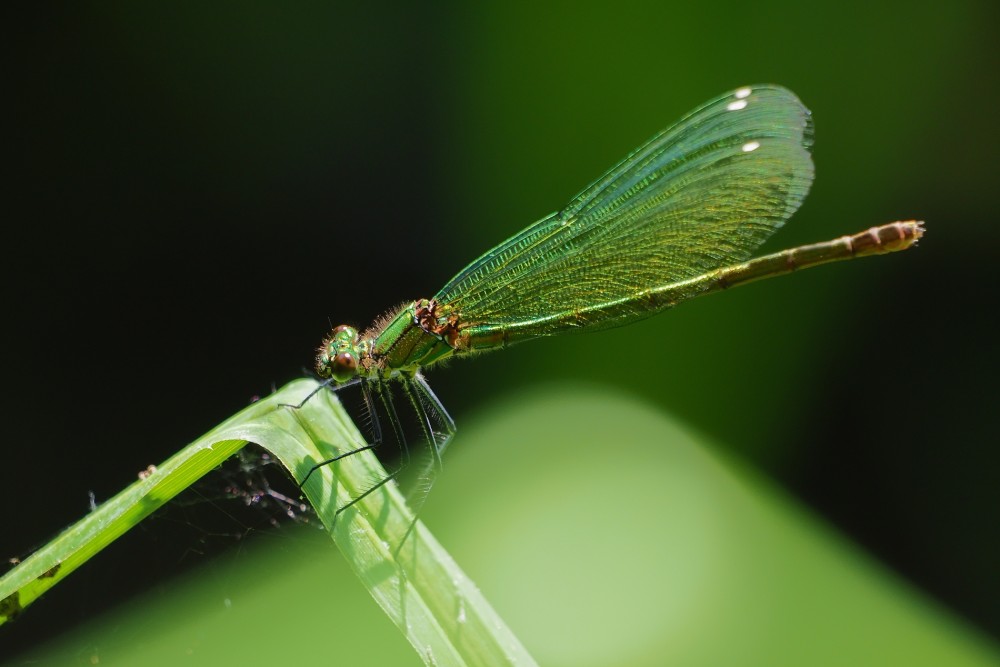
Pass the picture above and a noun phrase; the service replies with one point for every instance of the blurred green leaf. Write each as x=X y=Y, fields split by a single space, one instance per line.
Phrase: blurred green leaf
x=607 y=532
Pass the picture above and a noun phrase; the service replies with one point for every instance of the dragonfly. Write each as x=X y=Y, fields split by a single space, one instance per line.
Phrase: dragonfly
x=678 y=218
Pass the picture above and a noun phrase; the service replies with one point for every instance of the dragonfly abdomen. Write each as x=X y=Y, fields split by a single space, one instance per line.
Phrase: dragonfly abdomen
x=644 y=303
x=891 y=237
x=880 y=240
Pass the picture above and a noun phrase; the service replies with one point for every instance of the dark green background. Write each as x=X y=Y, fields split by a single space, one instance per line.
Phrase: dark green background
x=196 y=189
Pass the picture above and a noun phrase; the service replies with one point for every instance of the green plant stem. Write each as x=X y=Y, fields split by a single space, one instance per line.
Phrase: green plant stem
x=414 y=580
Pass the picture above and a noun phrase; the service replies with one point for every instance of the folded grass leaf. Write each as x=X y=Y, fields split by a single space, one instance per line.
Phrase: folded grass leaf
x=414 y=580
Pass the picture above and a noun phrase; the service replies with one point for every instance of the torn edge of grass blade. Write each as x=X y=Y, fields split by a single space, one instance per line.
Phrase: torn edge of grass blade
x=418 y=585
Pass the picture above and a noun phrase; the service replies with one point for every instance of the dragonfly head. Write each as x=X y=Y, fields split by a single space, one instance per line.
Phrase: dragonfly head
x=338 y=356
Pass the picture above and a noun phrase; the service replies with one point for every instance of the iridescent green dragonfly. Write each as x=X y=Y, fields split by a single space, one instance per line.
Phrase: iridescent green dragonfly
x=678 y=218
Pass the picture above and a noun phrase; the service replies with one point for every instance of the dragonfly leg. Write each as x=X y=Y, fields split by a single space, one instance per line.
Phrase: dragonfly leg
x=326 y=384
x=334 y=459
x=435 y=424
x=376 y=396
x=384 y=394
x=375 y=487
x=437 y=408
x=372 y=413
x=437 y=428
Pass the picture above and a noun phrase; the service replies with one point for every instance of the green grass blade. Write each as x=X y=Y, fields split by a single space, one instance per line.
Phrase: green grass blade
x=418 y=585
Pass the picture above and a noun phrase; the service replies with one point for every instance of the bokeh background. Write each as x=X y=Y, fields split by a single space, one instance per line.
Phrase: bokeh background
x=196 y=191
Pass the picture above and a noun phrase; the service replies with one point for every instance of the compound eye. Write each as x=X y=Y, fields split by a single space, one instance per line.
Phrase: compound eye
x=344 y=332
x=344 y=367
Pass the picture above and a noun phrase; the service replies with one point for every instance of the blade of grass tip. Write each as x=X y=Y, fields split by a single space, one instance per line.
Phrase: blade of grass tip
x=419 y=586
x=80 y=542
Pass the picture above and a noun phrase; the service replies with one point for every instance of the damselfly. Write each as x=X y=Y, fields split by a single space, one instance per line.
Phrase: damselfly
x=678 y=218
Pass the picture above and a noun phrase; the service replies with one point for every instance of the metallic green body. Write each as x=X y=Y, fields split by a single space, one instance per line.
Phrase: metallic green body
x=402 y=345
x=678 y=218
